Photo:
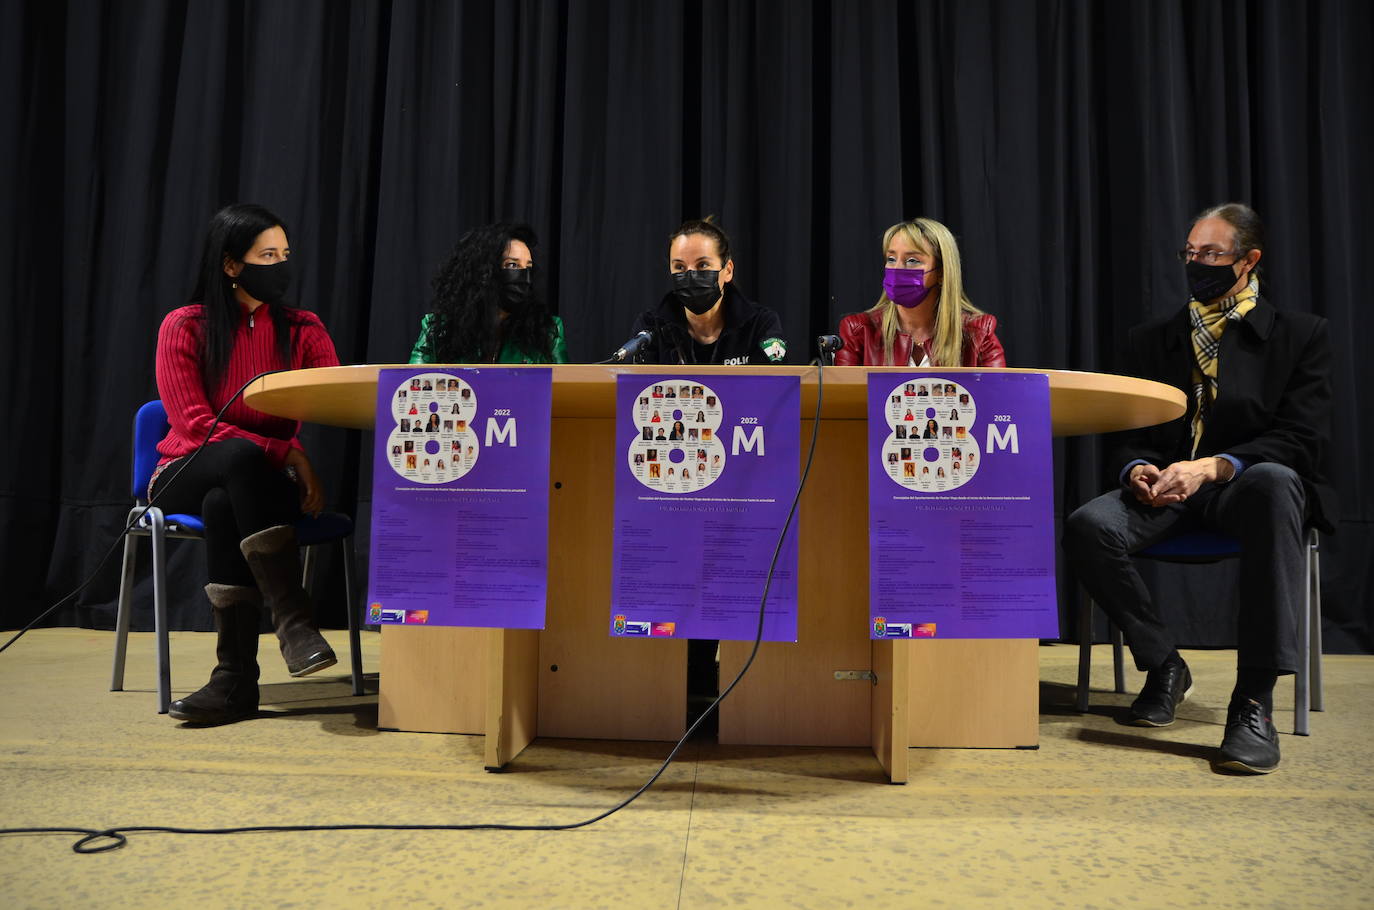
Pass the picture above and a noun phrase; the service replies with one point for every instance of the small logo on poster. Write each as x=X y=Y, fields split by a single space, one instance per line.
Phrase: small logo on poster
x=880 y=626
x=374 y=614
x=898 y=630
x=419 y=617
x=619 y=624
x=663 y=629
x=924 y=630
x=637 y=628
x=393 y=616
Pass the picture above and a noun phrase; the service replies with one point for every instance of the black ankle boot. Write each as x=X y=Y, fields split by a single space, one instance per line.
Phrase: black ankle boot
x=275 y=559
x=232 y=692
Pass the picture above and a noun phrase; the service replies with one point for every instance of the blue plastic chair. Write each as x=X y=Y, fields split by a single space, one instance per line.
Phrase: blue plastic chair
x=1212 y=546
x=150 y=426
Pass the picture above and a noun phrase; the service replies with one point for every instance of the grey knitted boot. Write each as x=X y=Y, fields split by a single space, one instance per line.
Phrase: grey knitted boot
x=274 y=558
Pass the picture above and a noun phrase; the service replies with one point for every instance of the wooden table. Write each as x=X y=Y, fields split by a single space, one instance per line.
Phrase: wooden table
x=573 y=680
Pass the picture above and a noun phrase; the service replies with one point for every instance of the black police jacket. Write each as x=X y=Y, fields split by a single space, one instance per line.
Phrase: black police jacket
x=752 y=333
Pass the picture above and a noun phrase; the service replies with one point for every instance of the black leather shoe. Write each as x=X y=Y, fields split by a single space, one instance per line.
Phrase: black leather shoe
x=1251 y=744
x=1164 y=690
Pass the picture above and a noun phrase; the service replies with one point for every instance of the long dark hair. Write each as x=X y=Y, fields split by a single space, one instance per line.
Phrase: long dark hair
x=467 y=324
x=231 y=234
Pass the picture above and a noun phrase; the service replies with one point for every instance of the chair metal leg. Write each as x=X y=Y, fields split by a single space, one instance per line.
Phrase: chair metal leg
x=1085 y=651
x=126 y=598
x=308 y=571
x=1314 y=583
x=355 y=645
x=1118 y=658
x=1301 y=677
x=164 y=657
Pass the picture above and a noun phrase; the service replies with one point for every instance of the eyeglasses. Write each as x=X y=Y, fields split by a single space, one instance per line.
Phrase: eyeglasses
x=1208 y=257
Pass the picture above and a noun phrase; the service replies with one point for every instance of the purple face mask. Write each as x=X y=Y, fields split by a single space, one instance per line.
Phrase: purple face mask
x=906 y=287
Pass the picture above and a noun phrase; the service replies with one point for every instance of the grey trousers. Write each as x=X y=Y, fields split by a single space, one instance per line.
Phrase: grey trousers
x=1263 y=508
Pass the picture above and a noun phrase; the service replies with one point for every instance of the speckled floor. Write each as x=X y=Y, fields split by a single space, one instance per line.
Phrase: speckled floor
x=1100 y=816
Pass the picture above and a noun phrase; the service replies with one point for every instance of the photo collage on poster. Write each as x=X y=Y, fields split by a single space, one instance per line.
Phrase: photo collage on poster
x=678 y=449
x=930 y=447
x=433 y=439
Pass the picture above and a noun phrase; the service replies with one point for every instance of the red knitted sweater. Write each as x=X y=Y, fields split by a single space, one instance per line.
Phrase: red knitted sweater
x=191 y=408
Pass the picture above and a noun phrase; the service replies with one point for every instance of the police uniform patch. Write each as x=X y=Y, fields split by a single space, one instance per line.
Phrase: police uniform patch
x=775 y=348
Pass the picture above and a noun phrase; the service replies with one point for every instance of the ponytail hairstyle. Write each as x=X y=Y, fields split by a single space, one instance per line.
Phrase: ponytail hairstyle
x=708 y=227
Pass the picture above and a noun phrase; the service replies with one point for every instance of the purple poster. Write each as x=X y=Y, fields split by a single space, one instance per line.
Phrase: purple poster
x=460 y=497
x=961 y=531
x=707 y=471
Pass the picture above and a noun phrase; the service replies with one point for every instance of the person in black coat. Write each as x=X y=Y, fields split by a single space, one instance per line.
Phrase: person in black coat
x=1247 y=459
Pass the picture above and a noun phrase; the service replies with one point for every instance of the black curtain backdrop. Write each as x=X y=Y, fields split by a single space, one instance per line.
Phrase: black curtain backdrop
x=1066 y=143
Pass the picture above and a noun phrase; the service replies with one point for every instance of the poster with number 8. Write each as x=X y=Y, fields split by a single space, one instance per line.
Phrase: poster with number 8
x=460 y=497
x=708 y=466
x=961 y=524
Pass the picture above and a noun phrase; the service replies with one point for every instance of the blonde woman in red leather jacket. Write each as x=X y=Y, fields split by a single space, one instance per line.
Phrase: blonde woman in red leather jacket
x=923 y=317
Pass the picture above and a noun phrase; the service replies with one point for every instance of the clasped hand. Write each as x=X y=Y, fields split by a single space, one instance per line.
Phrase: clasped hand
x=1155 y=487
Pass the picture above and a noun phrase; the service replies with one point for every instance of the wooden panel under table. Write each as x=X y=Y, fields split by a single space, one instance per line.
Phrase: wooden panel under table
x=603 y=687
x=974 y=692
x=433 y=679
x=891 y=667
x=981 y=693
x=791 y=696
x=512 y=693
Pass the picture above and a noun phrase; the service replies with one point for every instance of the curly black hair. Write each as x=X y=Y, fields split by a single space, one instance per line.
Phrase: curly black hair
x=467 y=326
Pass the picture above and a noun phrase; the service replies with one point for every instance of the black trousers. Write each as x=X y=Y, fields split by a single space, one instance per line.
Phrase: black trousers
x=1263 y=508
x=236 y=492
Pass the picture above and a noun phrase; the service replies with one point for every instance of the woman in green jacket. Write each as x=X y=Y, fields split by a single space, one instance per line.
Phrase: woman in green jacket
x=486 y=309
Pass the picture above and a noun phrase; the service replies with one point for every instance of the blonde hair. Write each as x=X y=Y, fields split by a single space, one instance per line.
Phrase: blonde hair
x=947 y=347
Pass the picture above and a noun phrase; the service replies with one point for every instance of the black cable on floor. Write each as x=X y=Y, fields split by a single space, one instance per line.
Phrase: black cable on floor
x=116 y=837
x=133 y=522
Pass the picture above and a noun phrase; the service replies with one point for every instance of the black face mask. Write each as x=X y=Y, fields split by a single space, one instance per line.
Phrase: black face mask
x=1209 y=282
x=267 y=283
x=698 y=291
x=517 y=289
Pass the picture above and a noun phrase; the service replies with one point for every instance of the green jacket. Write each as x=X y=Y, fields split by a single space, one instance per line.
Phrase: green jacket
x=423 y=352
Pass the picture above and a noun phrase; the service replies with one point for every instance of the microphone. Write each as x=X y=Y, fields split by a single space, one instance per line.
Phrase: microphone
x=631 y=348
x=828 y=345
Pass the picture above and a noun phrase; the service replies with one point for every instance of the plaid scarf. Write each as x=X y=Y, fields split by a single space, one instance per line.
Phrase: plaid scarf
x=1208 y=322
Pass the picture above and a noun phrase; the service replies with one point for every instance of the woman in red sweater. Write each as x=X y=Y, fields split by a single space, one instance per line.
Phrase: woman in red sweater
x=923 y=317
x=253 y=479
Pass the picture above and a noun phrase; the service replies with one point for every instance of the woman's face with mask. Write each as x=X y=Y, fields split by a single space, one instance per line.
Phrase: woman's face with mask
x=256 y=277
x=690 y=260
x=517 y=284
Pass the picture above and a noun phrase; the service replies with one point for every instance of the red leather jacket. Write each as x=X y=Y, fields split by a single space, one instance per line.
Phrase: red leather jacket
x=862 y=334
